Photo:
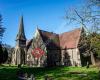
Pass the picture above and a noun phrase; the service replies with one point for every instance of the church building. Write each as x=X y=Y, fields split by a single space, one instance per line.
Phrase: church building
x=58 y=49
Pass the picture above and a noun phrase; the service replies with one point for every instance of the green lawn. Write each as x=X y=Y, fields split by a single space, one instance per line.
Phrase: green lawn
x=57 y=73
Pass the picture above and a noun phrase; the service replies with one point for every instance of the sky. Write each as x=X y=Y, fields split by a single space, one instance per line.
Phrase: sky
x=46 y=14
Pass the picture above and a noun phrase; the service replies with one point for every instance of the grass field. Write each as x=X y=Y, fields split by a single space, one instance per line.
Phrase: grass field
x=57 y=73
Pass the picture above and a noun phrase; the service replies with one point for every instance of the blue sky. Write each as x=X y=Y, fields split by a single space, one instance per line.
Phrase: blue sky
x=47 y=14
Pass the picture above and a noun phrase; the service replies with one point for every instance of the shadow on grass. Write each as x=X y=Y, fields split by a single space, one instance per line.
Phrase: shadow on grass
x=58 y=73
x=10 y=73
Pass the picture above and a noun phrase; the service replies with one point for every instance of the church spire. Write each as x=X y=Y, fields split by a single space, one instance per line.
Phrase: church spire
x=21 y=33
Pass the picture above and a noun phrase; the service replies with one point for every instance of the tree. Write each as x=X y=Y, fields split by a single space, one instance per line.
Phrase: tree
x=95 y=2
x=2 y=29
x=8 y=52
x=3 y=50
x=3 y=54
x=95 y=42
x=88 y=17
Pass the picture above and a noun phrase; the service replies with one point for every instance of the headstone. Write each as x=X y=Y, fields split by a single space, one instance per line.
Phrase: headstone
x=48 y=77
x=19 y=65
x=21 y=75
x=31 y=77
x=87 y=66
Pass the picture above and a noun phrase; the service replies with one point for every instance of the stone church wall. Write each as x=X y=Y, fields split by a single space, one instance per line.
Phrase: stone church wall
x=31 y=59
x=35 y=62
x=53 y=57
x=70 y=57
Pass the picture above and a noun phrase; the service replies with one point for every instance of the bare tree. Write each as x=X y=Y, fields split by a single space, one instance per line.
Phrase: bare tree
x=88 y=17
x=94 y=2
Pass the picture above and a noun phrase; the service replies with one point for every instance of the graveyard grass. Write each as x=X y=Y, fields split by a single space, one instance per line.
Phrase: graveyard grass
x=57 y=73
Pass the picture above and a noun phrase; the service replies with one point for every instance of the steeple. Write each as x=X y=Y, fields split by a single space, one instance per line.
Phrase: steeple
x=21 y=33
x=20 y=49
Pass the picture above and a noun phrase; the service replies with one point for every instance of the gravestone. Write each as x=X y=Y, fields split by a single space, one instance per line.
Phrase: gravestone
x=48 y=77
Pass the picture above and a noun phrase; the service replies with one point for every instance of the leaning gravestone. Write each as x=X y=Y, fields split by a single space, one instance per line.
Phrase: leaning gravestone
x=22 y=76
x=31 y=77
x=48 y=78
x=87 y=66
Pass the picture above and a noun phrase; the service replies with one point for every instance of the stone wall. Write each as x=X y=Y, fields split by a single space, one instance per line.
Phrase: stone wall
x=53 y=57
x=18 y=56
x=36 y=43
x=70 y=57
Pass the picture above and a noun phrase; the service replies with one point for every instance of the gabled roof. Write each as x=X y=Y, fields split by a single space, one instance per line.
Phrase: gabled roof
x=70 y=39
x=60 y=41
x=28 y=43
x=51 y=39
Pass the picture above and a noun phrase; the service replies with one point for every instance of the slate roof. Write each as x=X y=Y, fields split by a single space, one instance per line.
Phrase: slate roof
x=60 y=41
x=52 y=39
x=28 y=43
x=70 y=39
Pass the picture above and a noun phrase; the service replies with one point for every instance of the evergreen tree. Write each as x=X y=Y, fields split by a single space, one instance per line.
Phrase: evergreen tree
x=1 y=53
x=5 y=55
x=2 y=29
